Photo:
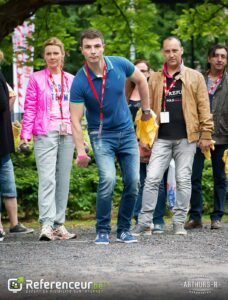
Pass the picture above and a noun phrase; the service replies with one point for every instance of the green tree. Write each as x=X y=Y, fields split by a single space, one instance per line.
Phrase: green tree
x=206 y=20
x=125 y=23
x=15 y=12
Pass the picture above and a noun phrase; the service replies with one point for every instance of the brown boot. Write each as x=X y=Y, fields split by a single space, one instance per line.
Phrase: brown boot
x=191 y=224
x=216 y=224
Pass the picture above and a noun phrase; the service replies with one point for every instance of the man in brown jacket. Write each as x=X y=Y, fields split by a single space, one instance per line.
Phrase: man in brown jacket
x=179 y=98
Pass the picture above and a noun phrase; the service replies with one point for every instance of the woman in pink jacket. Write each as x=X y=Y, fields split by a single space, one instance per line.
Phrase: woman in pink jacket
x=47 y=118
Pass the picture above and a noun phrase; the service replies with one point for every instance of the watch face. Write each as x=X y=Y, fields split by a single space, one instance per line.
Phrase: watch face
x=146 y=112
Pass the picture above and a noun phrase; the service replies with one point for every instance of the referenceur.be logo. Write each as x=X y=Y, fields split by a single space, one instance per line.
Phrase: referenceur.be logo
x=16 y=285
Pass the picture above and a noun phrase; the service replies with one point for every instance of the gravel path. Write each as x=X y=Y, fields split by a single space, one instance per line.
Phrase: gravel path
x=158 y=267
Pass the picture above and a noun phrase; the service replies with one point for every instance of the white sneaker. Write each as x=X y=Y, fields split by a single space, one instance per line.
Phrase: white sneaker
x=46 y=233
x=2 y=234
x=178 y=228
x=61 y=233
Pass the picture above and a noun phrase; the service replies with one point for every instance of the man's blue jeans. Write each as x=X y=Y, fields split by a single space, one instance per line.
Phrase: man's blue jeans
x=162 y=194
x=219 y=176
x=123 y=146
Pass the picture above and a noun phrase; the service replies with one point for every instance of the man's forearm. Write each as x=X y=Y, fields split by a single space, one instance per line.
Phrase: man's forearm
x=144 y=94
x=78 y=138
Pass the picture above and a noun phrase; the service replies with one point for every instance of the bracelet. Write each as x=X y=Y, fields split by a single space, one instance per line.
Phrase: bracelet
x=81 y=157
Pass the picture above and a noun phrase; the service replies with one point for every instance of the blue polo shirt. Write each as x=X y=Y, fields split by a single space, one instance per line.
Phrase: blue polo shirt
x=116 y=113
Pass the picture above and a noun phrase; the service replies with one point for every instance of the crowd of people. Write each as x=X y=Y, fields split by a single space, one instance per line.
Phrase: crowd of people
x=192 y=116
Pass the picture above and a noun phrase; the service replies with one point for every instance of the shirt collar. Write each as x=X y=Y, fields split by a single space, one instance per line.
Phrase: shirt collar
x=108 y=64
x=165 y=70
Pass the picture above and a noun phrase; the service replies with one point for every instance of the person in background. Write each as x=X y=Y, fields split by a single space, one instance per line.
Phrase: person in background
x=216 y=79
x=7 y=180
x=134 y=103
x=47 y=119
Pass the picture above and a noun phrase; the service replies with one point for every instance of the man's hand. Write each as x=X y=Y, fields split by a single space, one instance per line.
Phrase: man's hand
x=146 y=117
x=82 y=161
x=145 y=146
x=204 y=144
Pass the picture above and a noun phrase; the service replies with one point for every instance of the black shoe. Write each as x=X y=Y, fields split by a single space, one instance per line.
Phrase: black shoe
x=19 y=228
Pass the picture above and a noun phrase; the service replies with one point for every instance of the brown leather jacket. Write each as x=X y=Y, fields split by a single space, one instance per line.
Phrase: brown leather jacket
x=195 y=102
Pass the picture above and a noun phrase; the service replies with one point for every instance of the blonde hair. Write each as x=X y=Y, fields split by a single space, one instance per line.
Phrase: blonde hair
x=54 y=41
x=1 y=56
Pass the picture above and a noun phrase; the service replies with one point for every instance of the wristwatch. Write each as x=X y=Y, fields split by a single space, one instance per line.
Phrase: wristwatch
x=146 y=111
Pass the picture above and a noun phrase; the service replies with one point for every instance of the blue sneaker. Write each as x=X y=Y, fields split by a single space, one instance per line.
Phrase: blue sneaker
x=126 y=237
x=102 y=238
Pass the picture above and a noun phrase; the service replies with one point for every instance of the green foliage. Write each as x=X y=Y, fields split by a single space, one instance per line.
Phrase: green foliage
x=207 y=20
x=83 y=190
x=26 y=182
x=46 y=27
x=207 y=188
x=121 y=24
x=83 y=187
x=124 y=24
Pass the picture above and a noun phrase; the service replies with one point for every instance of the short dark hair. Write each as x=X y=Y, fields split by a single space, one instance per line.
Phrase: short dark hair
x=91 y=33
x=139 y=61
x=212 y=50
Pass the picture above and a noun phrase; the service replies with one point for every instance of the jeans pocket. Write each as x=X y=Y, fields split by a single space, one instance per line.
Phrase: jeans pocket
x=95 y=141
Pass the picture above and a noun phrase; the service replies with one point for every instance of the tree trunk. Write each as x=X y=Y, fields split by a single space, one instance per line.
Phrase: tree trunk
x=15 y=12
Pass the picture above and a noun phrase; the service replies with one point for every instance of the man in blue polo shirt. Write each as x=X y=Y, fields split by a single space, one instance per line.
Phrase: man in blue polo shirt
x=100 y=87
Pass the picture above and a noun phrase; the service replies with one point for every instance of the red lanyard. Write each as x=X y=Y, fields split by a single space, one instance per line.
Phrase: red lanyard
x=100 y=101
x=167 y=90
x=214 y=84
x=59 y=96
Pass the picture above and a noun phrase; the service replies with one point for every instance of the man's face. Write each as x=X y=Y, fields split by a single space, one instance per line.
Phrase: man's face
x=143 y=68
x=172 y=52
x=92 y=49
x=218 y=62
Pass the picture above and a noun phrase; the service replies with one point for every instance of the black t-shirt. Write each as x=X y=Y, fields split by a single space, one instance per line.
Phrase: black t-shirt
x=176 y=128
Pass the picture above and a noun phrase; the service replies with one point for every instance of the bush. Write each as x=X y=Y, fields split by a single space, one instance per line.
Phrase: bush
x=83 y=188
x=207 y=188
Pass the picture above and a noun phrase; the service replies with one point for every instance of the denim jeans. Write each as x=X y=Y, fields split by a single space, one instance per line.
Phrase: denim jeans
x=7 y=179
x=162 y=152
x=123 y=146
x=162 y=194
x=54 y=156
x=219 y=176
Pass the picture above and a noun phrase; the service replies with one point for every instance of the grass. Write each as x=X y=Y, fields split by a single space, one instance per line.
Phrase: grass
x=91 y=222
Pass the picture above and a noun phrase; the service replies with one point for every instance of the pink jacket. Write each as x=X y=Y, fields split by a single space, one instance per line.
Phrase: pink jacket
x=38 y=104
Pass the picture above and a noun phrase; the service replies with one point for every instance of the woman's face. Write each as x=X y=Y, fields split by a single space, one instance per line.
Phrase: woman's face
x=53 y=57
x=144 y=69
